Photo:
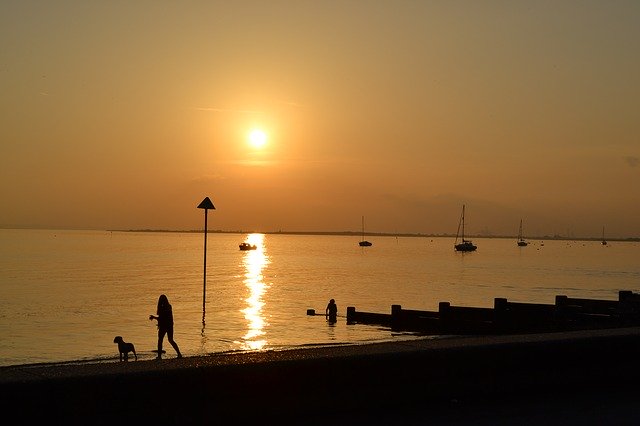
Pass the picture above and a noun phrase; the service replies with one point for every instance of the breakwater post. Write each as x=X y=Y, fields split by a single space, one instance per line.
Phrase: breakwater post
x=354 y=317
x=510 y=317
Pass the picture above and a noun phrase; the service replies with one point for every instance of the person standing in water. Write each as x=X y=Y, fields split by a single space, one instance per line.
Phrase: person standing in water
x=331 y=313
x=164 y=315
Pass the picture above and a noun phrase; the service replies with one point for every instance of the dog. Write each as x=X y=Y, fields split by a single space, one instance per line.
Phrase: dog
x=124 y=348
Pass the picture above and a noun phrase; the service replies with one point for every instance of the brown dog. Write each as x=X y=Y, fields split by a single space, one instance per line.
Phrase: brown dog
x=124 y=348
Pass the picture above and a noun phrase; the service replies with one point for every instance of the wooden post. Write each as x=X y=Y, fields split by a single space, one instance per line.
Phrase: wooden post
x=500 y=314
x=396 y=317
x=561 y=311
x=351 y=313
x=444 y=317
x=629 y=307
x=624 y=295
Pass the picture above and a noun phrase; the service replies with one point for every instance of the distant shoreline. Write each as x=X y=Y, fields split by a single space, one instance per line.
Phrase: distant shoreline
x=377 y=234
x=344 y=233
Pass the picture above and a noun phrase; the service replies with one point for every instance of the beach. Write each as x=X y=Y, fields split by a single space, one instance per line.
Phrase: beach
x=580 y=377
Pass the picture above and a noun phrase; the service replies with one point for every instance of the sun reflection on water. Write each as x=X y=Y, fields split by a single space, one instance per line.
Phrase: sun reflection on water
x=254 y=261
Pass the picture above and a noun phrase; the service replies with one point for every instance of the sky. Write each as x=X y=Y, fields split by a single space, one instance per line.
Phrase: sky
x=125 y=115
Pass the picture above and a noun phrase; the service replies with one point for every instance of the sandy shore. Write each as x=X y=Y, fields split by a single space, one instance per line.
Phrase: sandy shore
x=586 y=377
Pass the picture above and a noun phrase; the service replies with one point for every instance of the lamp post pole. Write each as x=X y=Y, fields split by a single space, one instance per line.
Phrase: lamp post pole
x=206 y=204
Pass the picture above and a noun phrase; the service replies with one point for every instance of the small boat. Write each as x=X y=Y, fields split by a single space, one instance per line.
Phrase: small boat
x=364 y=243
x=604 y=242
x=465 y=245
x=521 y=241
x=247 y=246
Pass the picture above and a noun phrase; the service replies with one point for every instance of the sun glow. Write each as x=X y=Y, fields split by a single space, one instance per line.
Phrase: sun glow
x=257 y=138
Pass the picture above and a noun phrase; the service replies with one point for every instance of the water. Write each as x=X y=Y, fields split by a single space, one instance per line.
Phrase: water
x=64 y=295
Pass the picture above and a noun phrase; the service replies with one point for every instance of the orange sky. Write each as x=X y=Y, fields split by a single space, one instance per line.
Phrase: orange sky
x=125 y=115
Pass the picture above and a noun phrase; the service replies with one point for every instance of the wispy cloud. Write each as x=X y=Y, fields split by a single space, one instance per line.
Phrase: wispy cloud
x=293 y=104
x=241 y=111
x=207 y=178
x=632 y=161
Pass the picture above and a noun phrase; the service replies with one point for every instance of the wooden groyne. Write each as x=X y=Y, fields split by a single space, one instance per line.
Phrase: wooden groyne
x=507 y=317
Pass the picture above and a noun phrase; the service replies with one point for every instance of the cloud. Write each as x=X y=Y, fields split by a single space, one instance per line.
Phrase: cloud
x=632 y=161
x=241 y=111
x=293 y=104
x=207 y=178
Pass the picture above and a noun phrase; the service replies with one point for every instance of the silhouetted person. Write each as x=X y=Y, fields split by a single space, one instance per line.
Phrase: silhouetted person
x=165 y=324
x=331 y=312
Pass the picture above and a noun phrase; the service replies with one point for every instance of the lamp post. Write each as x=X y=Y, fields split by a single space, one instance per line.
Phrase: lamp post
x=206 y=204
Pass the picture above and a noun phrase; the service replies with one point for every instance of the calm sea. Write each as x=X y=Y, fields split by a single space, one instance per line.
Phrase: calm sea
x=64 y=295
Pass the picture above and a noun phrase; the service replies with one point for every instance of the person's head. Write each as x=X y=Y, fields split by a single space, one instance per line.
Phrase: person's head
x=332 y=301
x=162 y=302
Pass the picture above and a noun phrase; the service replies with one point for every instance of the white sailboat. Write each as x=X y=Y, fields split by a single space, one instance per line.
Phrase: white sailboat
x=363 y=242
x=465 y=245
x=521 y=241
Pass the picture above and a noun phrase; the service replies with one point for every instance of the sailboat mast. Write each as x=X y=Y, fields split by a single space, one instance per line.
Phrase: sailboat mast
x=520 y=231
x=363 y=242
x=463 y=223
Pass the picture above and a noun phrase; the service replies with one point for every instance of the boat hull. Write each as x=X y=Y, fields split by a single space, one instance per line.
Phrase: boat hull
x=465 y=246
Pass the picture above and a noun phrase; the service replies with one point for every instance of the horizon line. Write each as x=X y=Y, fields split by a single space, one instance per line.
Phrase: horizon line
x=380 y=234
x=337 y=233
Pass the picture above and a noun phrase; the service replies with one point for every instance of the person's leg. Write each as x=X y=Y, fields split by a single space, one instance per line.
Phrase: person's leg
x=173 y=343
x=161 y=333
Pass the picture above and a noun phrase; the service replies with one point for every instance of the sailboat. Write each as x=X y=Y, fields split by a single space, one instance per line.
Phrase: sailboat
x=521 y=241
x=364 y=243
x=604 y=242
x=465 y=245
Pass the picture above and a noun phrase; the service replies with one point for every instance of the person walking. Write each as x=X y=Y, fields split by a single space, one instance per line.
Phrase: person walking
x=164 y=315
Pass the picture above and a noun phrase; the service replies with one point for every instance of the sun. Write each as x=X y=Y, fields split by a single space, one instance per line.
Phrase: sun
x=257 y=138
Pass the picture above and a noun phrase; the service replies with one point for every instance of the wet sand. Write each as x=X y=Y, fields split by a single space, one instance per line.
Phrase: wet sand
x=583 y=377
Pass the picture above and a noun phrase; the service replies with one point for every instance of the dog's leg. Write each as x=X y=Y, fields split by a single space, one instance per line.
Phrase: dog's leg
x=134 y=352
